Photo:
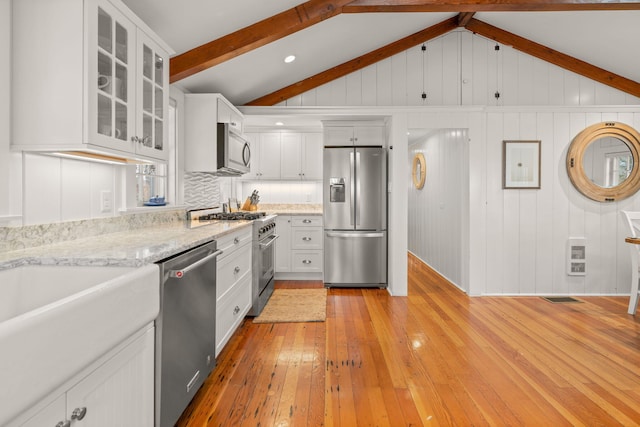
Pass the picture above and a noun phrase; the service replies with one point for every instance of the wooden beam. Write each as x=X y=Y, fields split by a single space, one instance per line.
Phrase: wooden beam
x=369 y=6
x=357 y=63
x=554 y=57
x=252 y=37
x=464 y=18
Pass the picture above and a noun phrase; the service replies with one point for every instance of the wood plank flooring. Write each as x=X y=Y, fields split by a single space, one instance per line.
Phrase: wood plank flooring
x=434 y=358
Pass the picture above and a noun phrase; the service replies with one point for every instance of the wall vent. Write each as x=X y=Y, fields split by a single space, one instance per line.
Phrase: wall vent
x=576 y=256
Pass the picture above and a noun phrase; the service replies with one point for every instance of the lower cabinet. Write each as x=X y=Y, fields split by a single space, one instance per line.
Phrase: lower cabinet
x=299 y=249
x=118 y=391
x=233 y=284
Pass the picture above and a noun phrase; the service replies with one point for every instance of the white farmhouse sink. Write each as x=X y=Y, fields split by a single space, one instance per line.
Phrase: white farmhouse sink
x=56 y=320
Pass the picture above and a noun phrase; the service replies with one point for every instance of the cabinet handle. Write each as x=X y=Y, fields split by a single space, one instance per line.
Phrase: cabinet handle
x=306 y=239
x=142 y=140
x=78 y=413
x=65 y=423
x=236 y=310
x=236 y=270
x=306 y=221
x=236 y=241
x=306 y=261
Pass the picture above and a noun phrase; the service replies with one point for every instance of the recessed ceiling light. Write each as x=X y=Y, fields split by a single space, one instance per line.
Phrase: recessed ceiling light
x=279 y=124
x=290 y=59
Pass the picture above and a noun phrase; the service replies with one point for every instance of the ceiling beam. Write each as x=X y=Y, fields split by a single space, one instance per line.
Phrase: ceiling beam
x=554 y=57
x=252 y=37
x=357 y=63
x=369 y=6
x=464 y=18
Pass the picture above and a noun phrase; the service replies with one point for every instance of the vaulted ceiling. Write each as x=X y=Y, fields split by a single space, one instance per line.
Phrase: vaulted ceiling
x=237 y=47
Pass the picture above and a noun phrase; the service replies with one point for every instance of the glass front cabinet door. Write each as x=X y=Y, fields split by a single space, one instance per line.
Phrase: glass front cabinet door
x=153 y=98
x=128 y=84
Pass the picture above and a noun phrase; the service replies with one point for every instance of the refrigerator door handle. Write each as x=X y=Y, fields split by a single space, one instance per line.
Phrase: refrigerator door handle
x=332 y=234
x=353 y=187
x=357 y=207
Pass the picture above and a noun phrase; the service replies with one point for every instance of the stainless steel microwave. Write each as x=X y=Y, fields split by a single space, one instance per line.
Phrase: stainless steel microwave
x=233 y=151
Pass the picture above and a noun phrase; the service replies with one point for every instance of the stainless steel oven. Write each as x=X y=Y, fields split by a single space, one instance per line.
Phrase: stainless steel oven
x=264 y=258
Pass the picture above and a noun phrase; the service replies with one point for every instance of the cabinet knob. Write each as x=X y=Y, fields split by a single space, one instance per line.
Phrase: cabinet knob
x=65 y=423
x=306 y=221
x=78 y=413
x=236 y=241
x=306 y=261
x=236 y=310
x=306 y=239
x=236 y=270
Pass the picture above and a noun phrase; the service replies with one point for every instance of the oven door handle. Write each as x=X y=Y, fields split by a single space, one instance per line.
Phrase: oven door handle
x=274 y=237
x=179 y=274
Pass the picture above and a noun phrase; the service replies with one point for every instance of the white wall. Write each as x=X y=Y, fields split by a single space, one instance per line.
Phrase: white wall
x=460 y=68
x=10 y=165
x=515 y=241
x=57 y=189
x=438 y=211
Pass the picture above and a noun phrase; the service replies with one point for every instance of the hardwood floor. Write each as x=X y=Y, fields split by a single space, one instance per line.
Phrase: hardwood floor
x=434 y=358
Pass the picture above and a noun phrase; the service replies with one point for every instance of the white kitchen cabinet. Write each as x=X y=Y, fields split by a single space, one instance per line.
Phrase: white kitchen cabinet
x=203 y=112
x=299 y=250
x=119 y=390
x=233 y=284
x=227 y=113
x=301 y=156
x=354 y=133
x=283 y=244
x=88 y=76
x=265 y=156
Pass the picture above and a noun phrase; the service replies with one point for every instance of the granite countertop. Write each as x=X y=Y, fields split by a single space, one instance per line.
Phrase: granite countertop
x=132 y=248
x=292 y=209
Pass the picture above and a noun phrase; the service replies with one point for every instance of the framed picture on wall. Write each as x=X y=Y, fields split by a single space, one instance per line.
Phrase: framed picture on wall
x=520 y=164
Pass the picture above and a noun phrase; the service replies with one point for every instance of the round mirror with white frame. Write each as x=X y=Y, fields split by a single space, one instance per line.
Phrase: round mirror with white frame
x=603 y=161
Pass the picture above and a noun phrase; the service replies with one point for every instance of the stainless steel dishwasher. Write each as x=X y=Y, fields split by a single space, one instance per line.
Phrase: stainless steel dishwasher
x=185 y=329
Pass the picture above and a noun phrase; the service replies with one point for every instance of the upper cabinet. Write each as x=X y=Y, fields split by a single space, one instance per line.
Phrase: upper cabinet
x=265 y=156
x=301 y=156
x=285 y=156
x=88 y=76
x=203 y=112
x=344 y=133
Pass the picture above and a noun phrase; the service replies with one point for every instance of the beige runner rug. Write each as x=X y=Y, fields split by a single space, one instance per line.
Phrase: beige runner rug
x=295 y=305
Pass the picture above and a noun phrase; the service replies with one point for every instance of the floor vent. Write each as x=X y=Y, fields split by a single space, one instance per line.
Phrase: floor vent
x=557 y=300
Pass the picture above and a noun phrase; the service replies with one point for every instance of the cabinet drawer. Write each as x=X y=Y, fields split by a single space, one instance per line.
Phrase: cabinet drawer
x=230 y=311
x=230 y=242
x=306 y=238
x=232 y=268
x=307 y=261
x=306 y=221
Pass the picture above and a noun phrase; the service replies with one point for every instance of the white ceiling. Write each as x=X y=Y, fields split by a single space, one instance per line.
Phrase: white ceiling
x=608 y=39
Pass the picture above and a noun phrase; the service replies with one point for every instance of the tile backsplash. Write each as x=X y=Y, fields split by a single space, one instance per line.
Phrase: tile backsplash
x=201 y=190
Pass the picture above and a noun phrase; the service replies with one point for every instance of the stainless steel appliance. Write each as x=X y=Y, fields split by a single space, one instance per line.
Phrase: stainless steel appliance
x=355 y=216
x=233 y=152
x=263 y=249
x=185 y=329
x=264 y=260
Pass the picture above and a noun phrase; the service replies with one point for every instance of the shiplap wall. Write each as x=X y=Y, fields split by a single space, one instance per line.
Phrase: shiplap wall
x=527 y=230
x=516 y=240
x=438 y=210
x=460 y=68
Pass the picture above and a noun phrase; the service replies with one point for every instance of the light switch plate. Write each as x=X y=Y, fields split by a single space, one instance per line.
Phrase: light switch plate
x=106 y=201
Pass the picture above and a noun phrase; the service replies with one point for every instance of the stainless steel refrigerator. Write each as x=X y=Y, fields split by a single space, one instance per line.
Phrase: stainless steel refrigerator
x=355 y=216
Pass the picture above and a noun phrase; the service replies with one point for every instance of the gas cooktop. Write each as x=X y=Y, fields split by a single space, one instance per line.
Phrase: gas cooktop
x=200 y=217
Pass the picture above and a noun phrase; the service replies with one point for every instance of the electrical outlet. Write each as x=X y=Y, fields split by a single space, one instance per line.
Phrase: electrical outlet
x=106 y=201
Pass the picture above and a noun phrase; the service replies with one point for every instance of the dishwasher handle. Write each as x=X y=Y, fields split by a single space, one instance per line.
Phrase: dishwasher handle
x=179 y=274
